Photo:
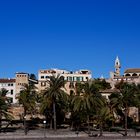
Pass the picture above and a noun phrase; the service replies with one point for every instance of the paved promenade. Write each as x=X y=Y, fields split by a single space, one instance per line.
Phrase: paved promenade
x=63 y=134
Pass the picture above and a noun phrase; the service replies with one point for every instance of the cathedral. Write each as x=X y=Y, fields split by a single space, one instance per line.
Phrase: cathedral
x=131 y=75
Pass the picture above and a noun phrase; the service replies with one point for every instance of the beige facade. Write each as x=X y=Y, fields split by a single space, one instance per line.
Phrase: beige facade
x=21 y=80
x=69 y=76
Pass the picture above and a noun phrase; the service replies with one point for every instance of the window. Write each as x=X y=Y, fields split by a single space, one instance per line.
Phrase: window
x=42 y=77
x=78 y=79
x=47 y=77
x=69 y=78
x=8 y=84
x=134 y=74
x=71 y=85
x=74 y=78
x=11 y=84
x=87 y=78
x=11 y=91
x=81 y=78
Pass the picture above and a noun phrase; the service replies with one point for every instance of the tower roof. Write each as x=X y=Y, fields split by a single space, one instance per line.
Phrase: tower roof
x=117 y=62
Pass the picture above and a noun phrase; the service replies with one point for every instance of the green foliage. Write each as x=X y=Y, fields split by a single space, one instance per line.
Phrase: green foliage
x=104 y=114
x=27 y=98
x=4 y=106
x=102 y=84
x=86 y=102
x=54 y=97
x=32 y=76
x=127 y=97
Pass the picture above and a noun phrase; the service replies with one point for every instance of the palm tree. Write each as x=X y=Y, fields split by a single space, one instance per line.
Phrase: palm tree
x=114 y=105
x=103 y=114
x=46 y=108
x=88 y=100
x=125 y=99
x=55 y=92
x=4 y=106
x=27 y=98
x=138 y=100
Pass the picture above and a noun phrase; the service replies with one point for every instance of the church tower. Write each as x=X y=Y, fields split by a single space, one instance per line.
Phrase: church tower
x=117 y=66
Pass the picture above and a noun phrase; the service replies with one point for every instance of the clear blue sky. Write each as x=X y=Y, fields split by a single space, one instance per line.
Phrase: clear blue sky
x=68 y=34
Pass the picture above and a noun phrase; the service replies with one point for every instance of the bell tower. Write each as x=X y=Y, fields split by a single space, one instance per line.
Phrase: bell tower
x=117 y=66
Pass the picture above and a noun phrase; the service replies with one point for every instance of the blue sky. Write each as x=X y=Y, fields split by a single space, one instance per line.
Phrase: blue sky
x=68 y=34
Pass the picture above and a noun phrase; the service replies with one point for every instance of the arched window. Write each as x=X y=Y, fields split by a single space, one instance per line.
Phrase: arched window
x=134 y=74
x=127 y=74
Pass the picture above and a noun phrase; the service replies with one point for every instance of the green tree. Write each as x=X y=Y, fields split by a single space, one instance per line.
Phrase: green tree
x=4 y=106
x=88 y=100
x=103 y=114
x=124 y=99
x=32 y=76
x=102 y=84
x=138 y=100
x=114 y=106
x=54 y=93
x=27 y=98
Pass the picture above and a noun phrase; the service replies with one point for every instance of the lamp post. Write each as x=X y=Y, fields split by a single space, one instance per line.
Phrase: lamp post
x=44 y=122
x=25 y=129
x=135 y=117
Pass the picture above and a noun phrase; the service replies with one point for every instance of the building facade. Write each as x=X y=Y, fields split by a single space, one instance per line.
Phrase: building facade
x=10 y=86
x=131 y=75
x=21 y=79
x=15 y=85
x=70 y=77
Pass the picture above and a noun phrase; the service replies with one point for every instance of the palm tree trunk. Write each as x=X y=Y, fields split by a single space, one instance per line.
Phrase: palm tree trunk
x=0 y=122
x=88 y=124
x=51 y=123
x=71 y=126
x=139 y=114
x=25 y=125
x=101 y=129
x=126 y=113
x=111 y=111
x=54 y=113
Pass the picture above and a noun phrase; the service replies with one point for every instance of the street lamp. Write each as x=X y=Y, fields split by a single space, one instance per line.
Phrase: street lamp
x=25 y=129
x=135 y=117
x=44 y=122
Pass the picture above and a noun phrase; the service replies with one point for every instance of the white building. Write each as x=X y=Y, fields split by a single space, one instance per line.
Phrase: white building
x=9 y=84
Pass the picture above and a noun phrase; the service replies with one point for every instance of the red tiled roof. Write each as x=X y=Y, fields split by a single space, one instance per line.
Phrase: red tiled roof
x=134 y=70
x=7 y=80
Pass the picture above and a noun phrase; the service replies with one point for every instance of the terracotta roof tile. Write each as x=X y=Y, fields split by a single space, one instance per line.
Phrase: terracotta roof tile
x=134 y=70
x=7 y=80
